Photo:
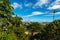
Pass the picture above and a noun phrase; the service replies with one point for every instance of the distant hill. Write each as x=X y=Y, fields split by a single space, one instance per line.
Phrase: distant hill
x=44 y=22
x=39 y=22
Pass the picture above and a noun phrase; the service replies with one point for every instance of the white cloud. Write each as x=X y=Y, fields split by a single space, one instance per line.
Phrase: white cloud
x=51 y=14
x=16 y=5
x=55 y=5
x=40 y=3
x=28 y=4
x=57 y=13
x=34 y=13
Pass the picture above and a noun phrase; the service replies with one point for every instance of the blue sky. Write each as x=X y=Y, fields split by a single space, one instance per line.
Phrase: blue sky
x=36 y=10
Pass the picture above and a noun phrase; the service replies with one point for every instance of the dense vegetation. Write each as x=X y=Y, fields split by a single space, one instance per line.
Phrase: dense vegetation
x=12 y=27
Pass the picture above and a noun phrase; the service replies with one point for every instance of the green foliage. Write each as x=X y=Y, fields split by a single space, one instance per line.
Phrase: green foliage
x=35 y=26
x=12 y=28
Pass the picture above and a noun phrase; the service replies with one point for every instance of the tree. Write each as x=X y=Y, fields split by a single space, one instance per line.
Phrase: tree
x=52 y=30
x=5 y=11
x=57 y=24
x=34 y=27
x=5 y=15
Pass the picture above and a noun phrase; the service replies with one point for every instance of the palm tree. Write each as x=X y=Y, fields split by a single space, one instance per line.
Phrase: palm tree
x=54 y=11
